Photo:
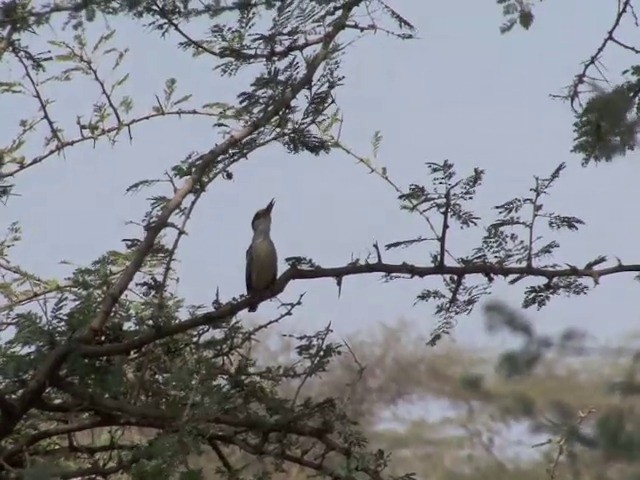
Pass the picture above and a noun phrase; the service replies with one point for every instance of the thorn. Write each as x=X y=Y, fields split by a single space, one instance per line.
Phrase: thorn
x=377 y=249
x=339 y=283
x=160 y=107
x=217 y=303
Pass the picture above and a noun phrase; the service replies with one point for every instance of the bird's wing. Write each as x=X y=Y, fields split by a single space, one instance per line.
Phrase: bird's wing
x=275 y=269
x=247 y=271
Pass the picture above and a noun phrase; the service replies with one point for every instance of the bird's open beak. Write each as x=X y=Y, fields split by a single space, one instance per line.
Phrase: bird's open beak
x=270 y=205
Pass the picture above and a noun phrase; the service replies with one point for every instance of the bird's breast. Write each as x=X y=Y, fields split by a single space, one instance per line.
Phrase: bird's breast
x=265 y=263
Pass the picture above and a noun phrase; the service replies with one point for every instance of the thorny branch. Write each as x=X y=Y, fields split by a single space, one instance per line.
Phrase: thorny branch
x=229 y=310
x=59 y=148
x=41 y=101
x=86 y=62
x=624 y=6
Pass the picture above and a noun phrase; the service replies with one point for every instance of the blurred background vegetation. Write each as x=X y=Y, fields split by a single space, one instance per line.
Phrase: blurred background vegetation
x=565 y=405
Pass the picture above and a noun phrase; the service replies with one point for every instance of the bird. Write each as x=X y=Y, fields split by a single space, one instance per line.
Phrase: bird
x=262 y=258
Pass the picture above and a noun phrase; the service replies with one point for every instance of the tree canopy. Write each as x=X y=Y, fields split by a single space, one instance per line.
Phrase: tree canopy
x=91 y=360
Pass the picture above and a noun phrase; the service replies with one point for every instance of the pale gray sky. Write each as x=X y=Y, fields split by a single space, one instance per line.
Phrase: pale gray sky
x=461 y=92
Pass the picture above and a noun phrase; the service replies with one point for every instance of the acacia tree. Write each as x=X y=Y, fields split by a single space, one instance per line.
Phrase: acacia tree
x=87 y=358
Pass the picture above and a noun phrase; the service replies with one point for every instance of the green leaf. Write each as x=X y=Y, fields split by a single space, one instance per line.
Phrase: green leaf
x=183 y=99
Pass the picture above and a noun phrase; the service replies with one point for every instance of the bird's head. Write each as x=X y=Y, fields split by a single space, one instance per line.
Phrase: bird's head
x=262 y=218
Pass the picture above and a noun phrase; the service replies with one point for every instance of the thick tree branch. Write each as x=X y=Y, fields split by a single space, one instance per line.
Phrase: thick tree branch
x=5 y=41
x=242 y=420
x=9 y=455
x=223 y=314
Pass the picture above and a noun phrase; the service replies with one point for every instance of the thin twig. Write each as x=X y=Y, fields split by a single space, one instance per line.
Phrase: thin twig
x=41 y=101
x=385 y=177
x=99 y=134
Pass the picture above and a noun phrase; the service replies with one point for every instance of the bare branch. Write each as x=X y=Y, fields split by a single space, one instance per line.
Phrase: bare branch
x=102 y=133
